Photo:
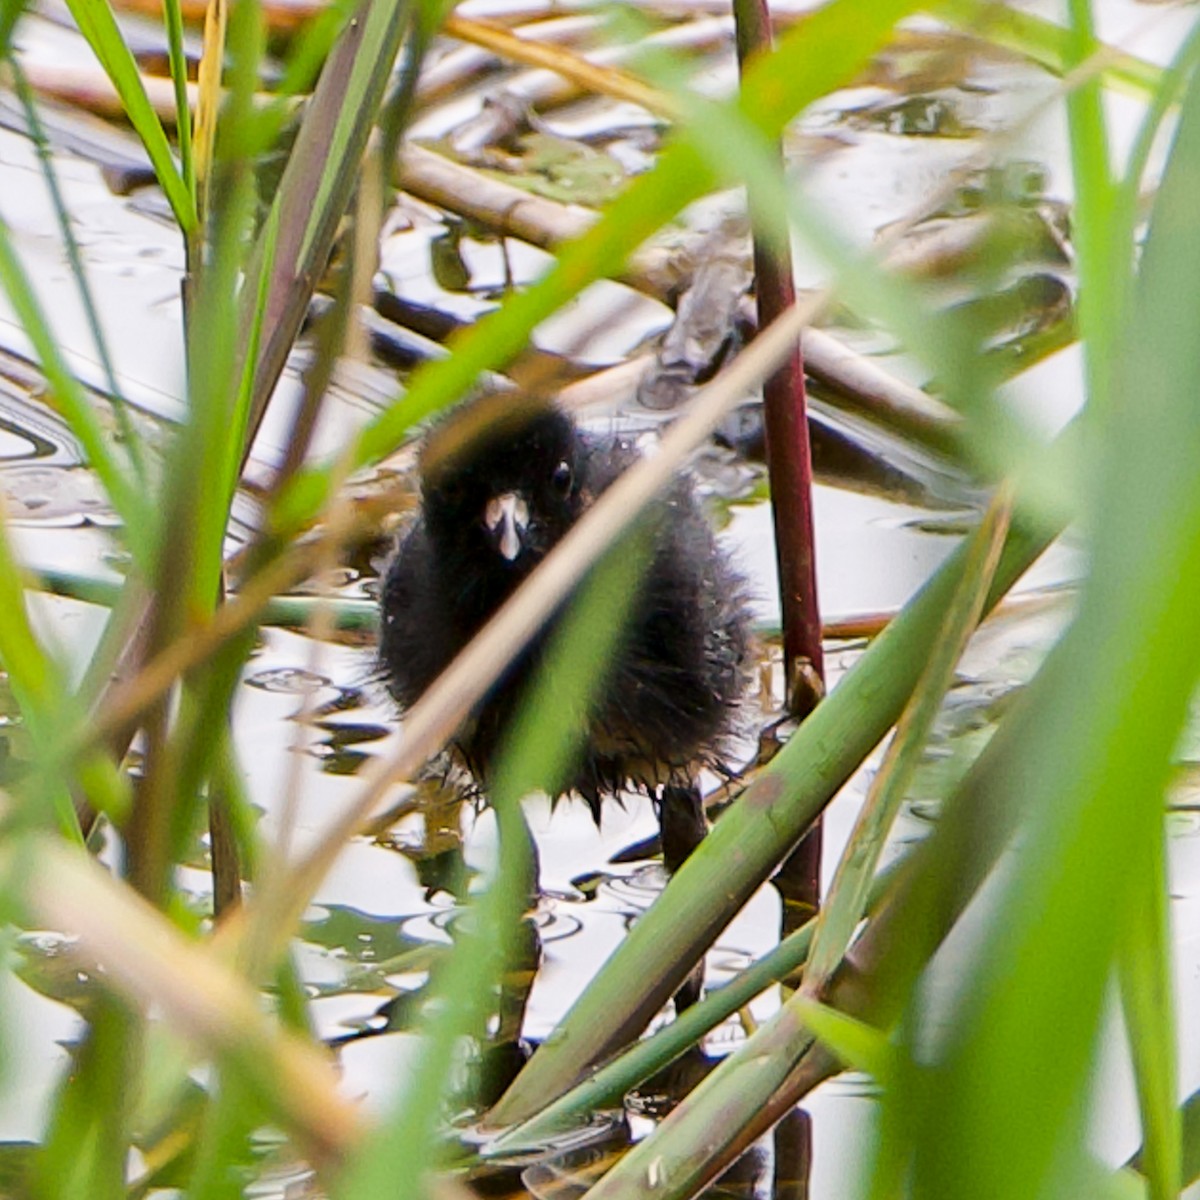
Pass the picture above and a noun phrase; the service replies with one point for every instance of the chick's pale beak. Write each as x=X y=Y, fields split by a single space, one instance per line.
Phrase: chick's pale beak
x=507 y=518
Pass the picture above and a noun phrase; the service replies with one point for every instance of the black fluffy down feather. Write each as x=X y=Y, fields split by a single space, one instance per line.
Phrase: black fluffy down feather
x=489 y=514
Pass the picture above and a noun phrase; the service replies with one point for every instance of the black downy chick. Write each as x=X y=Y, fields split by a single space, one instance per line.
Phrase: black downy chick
x=490 y=512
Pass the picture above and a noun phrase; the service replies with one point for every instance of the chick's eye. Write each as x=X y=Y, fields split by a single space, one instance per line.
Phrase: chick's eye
x=562 y=478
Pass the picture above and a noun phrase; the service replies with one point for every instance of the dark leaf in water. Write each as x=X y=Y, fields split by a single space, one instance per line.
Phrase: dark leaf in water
x=916 y=116
x=402 y=1012
x=373 y=949
x=350 y=735
x=447 y=263
x=648 y=847
x=49 y=966
x=346 y=699
x=336 y=760
x=562 y=169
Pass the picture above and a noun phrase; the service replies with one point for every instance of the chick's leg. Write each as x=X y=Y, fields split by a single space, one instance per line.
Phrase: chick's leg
x=681 y=819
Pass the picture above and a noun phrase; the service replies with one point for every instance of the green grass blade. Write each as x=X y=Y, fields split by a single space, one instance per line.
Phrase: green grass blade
x=311 y=48
x=97 y=24
x=223 y=1155
x=173 y=20
x=86 y=1147
x=40 y=687
x=237 y=445
x=854 y=1042
x=34 y=676
x=10 y=14
x=1189 y=1121
x=196 y=493
x=844 y=905
x=317 y=183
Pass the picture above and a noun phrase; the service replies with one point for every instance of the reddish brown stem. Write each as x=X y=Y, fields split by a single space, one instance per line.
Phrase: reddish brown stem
x=789 y=461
